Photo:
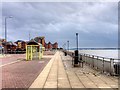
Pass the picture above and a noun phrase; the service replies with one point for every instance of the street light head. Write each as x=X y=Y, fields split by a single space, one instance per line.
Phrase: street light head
x=10 y=16
x=76 y=33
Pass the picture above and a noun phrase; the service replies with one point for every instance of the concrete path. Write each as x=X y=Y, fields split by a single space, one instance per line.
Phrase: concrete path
x=22 y=74
x=53 y=75
x=59 y=73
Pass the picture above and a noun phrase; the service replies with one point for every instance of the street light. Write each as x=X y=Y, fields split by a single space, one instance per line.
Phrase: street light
x=77 y=40
x=6 y=30
x=76 y=52
x=6 y=27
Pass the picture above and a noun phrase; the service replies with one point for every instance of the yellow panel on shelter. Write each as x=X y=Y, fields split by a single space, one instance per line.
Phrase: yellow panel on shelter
x=34 y=50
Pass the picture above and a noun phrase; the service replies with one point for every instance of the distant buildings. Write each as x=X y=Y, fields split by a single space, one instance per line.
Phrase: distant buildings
x=40 y=40
x=20 y=45
x=48 y=46
x=1 y=46
x=2 y=41
x=55 y=45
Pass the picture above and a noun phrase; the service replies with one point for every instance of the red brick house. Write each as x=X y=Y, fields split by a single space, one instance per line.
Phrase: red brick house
x=55 y=45
x=40 y=40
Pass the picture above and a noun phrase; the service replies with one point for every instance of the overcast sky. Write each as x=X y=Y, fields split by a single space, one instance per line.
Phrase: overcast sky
x=96 y=22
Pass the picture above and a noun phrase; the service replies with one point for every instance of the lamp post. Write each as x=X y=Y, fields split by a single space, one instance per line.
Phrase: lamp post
x=6 y=27
x=68 y=44
x=77 y=40
x=6 y=30
x=76 y=52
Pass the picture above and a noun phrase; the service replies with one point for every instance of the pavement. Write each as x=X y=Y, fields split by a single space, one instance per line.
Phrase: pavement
x=52 y=71
x=11 y=58
x=22 y=73
x=59 y=73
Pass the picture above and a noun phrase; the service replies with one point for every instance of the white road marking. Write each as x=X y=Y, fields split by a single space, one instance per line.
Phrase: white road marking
x=10 y=63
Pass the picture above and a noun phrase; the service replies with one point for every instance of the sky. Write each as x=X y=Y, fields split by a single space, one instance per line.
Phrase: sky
x=95 y=22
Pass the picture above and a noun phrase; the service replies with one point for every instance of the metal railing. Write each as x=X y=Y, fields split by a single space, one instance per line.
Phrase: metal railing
x=103 y=64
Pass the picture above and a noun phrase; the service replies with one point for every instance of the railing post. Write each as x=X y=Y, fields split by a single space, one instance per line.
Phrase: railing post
x=103 y=65
x=84 y=57
x=93 y=60
x=111 y=66
x=89 y=59
x=72 y=58
x=97 y=62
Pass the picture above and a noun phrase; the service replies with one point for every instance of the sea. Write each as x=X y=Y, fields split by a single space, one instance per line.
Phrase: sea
x=107 y=53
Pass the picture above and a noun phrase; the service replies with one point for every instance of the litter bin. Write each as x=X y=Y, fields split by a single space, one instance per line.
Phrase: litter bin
x=65 y=53
x=117 y=68
x=76 y=58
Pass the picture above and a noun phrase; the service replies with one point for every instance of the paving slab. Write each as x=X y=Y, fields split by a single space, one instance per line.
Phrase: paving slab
x=41 y=79
x=87 y=76
x=23 y=73
x=59 y=73
x=51 y=81
x=11 y=58
x=63 y=80
x=74 y=80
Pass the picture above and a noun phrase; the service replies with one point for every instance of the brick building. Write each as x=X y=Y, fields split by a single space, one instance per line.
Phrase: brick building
x=21 y=45
x=55 y=45
x=40 y=40
x=48 y=46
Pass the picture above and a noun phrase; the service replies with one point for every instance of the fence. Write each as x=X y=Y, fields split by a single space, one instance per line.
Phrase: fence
x=103 y=64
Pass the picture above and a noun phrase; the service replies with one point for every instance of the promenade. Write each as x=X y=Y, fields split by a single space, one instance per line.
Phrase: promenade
x=18 y=73
x=59 y=73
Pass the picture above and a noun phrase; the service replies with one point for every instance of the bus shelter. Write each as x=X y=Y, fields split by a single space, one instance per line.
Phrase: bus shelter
x=34 y=51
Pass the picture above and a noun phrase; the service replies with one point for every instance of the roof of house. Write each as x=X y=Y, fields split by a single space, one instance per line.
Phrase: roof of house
x=33 y=42
x=38 y=38
x=9 y=43
x=20 y=41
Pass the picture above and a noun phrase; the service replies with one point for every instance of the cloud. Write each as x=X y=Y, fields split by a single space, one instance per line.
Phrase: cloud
x=96 y=22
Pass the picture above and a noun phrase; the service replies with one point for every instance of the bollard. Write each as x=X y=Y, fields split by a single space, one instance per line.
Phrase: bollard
x=76 y=58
